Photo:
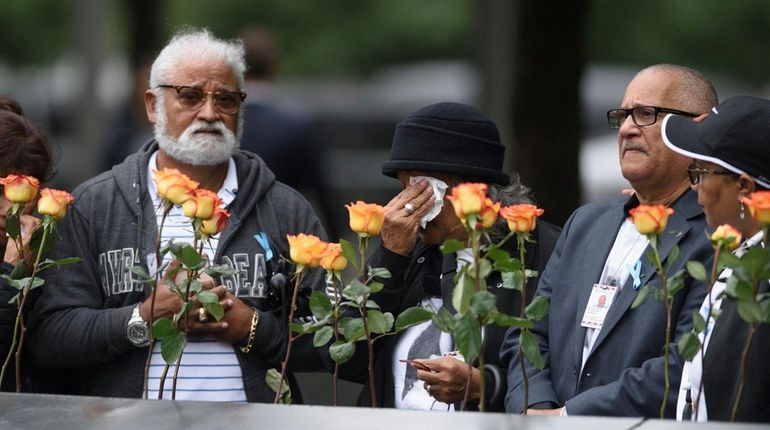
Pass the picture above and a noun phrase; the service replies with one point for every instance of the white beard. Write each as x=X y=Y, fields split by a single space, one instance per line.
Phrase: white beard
x=202 y=149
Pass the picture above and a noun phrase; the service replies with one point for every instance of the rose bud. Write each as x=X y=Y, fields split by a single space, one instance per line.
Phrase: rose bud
x=650 y=219
x=365 y=218
x=468 y=199
x=20 y=188
x=332 y=259
x=305 y=250
x=202 y=205
x=54 y=202
x=216 y=223
x=726 y=237
x=759 y=206
x=521 y=218
x=488 y=214
x=173 y=185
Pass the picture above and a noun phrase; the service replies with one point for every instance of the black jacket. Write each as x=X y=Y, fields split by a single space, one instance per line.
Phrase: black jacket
x=411 y=276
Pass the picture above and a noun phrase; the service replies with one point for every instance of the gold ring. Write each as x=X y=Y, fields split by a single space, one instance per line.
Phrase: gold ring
x=202 y=315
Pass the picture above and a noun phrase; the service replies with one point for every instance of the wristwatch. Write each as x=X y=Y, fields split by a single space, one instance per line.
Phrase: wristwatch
x=136 y=330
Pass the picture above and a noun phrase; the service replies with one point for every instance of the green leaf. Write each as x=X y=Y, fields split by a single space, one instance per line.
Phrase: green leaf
x=482 y=303
x=507 y=266
x=412 y=316
x=688 y=345
x=221 y=270
x=24 y=282
x=467 y=337
x=511 y=280
x=163 y=327
x=530 y=273
x=141 y=272
x=675 y=284
x=749 y=311
x=538 y=309
x=14 y=283
x=698 y=323
x=371 y=304
x=641 y=296
x=195 y=286
x=379 y=272
x=351 y=328
x=172 y=346
x=672 y=257
x=451 y=245
x=320 y=305
x=14 y=299
x=377 y=322
x=461 y=296
x=215 y=309
x=728 y=259
x=19 y=270
x=531 y=349
x=208 y=297
x=341 y=352
x=764 y=309
x=485 y=268
x=444 y=320
x=188 y=256
x=697 y=270
x=504 y=320
x=496 y=254
x=355 y=291
x=739 y=290
x=322 y=336
x=297 y=328
x=375 y=287
x=349 y=252
x=273 y=380
x=12 y=228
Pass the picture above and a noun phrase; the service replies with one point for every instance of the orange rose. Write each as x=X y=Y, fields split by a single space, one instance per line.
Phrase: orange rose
x=650 y=219
x=759 y=206
x=202 y=205
x=20 y=188
x=216 y=223
x=726 y=237
x=366 y=218
x=332 y=258
x=468 y=199
x=488 y=214
x=54 y=202
x=173 y=185
x=306 y=250
x=521 y=218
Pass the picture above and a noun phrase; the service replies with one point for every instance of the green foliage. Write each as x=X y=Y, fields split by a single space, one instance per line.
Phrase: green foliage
x=531 y=349
x=378 y=272
x=320 y=305
x=349 y=252
x=323 y=336
x=20 y=284
x=482 y=304
x=341 y=352
x=172 y=346
x=641 y=296
x=444 y=320
x=698 y=323
x=697 y=270
x=688 y=345
x=467 y=336
x=511 y=281
x=538 y=308
x=504 y=320
x=220 y=270
x=273 y=380
x=12 y=228
x=464 y=290
x=187 y=255
x=412 y=316
x=451 y=245
x=351 y=328
x=378 y=322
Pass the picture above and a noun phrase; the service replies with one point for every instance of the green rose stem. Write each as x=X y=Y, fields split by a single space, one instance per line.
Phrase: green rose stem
x=523 y=307
x=362 y=242
x=745 y=353
x=708 y=318
x=297 y=281
x=335 y=327
x=167 y=205
x=668 y=304
x=19 y=328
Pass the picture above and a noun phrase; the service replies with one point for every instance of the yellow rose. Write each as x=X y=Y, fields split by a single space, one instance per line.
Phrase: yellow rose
x=54 y=202
x=521 y=218
x=332 y=258
x=650 y=219
x=173 y=185
x=216 y=223
x=366 y=218
x=468 y=199
x=488 y=214
x=726 y=237
x=202 y=205
x=759 y=206
x=305 y=250
x=20 y=188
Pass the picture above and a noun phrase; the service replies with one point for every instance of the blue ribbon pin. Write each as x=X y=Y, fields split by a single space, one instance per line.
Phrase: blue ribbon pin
x=261 y=238
x=636 y=273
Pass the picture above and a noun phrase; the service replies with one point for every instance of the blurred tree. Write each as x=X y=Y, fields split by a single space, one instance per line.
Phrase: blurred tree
x=33 y=31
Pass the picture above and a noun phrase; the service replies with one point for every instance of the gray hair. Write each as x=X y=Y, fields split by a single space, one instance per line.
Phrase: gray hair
x=197 y=43
x=693 y=89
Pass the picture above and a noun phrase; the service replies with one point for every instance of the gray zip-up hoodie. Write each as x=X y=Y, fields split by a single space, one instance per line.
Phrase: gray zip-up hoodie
x=80 y=318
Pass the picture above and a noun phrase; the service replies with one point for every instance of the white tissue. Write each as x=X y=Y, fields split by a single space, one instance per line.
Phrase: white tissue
x=439 y=189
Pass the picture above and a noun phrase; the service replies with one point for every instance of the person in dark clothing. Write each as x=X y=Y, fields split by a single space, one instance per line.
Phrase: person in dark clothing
x=24 y=150
x=434 y=149
x=730 y=161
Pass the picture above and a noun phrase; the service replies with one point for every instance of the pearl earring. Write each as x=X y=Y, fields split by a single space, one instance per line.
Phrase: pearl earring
x=742 y=213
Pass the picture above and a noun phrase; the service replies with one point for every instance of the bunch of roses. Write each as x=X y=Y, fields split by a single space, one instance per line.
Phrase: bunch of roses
x=20 y=190
x=478 y=211
x=199 y=204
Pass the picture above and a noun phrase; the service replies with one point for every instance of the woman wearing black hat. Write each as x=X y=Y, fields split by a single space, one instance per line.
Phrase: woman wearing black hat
x=731 y=159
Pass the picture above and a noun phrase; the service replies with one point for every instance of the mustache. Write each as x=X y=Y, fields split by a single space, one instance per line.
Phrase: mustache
x=207 y=127
x=631 y=145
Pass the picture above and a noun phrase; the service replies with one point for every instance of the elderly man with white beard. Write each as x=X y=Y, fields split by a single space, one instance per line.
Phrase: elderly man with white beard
x=94 y=316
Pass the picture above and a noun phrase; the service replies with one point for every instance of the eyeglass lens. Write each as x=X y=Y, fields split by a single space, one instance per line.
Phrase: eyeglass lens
x=193 y=99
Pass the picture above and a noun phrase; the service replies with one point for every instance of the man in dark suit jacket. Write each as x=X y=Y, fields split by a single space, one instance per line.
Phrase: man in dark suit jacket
x=614 y=365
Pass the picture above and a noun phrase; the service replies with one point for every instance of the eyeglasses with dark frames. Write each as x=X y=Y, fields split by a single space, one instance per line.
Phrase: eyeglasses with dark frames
x=642 y=115
x=695 y=172
x=191 y=98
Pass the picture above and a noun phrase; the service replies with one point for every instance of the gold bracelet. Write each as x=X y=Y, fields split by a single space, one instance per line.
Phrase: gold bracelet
x=252 y=333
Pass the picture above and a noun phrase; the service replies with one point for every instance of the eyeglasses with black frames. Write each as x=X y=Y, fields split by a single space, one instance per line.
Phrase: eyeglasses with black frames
x=642 y=115
x=695 y=172
x=191 y=98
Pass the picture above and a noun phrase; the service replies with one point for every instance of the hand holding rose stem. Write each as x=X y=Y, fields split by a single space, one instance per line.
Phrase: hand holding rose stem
x=52 y=205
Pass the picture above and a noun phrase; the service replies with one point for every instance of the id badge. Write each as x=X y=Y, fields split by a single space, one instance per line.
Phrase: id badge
x=598 y=305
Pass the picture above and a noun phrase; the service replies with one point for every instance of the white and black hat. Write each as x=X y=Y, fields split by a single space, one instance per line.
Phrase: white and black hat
x=736 y=136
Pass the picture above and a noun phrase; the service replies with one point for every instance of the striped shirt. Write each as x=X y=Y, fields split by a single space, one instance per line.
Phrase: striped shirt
x=209 y=369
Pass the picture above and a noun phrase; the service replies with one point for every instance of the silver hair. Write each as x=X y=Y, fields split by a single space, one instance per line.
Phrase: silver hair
x=693 y=89
x=197 y=43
